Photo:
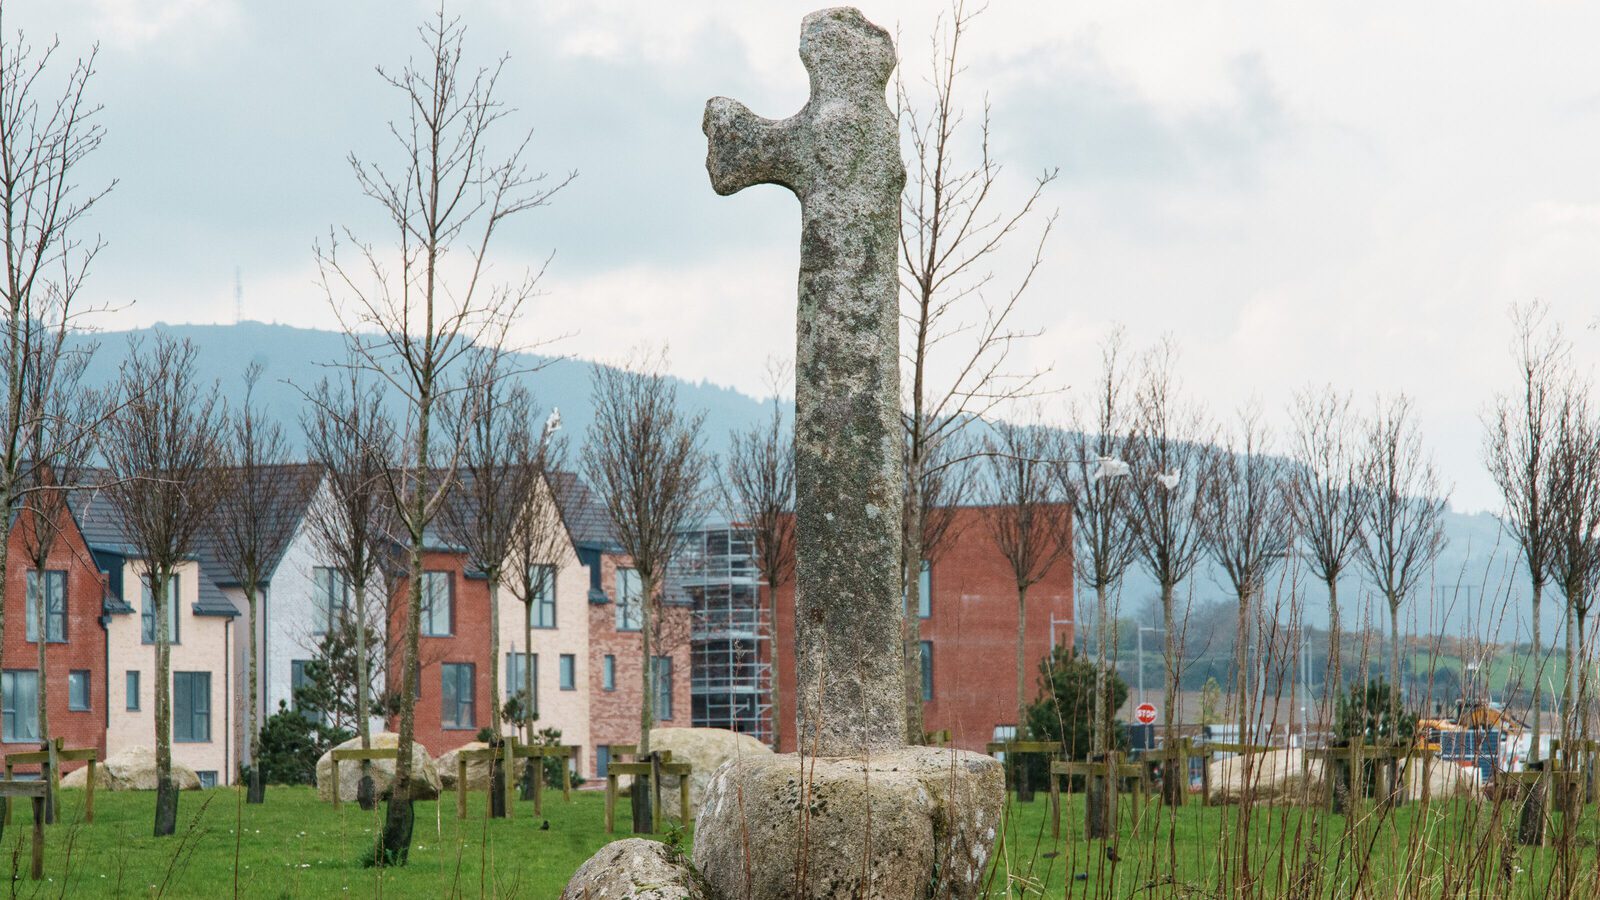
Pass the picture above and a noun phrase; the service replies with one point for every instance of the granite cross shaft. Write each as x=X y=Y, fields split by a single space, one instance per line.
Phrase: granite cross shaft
x=841 y=156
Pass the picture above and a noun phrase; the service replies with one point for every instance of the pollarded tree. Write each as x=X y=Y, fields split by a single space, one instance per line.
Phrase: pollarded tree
x=252 y=528
x=1095 y=479
x=1028 y=522
x=352 y=441
x=162 y=447
x=758 y=488
x=643 y=457
x=1403 y=518
x=413 y=323
x=1325 y=499
x=1170 y=454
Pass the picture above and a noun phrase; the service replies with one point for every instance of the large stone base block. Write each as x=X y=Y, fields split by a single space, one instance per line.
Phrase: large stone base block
x=919 y=822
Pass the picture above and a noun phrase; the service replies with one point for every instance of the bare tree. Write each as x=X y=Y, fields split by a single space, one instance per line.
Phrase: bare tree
x=352 y=442
x=644 y=459
x=538 y=538
x=1170 y=451
x=252 y=529
x=1403 y=530
x=1517 y=433
x=161 y=449
x=958 y=336
x=1245 y=517
x=1027 y=520
x=1325 y=499
x=1573 y=514
x=758 y=487
x=414 y=323
x=45 y=139
x=58 y=447
x=1096 y=482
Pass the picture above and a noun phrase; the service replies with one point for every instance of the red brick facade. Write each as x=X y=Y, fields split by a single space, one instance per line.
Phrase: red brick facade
x=973 y=629
x=614 y=714
x=84 y=649
x=468 y=642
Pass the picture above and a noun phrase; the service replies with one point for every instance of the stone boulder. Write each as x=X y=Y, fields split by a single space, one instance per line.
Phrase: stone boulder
x=1275 y=776
x=918 y=822
x=1445 y=781
x=705 y=749
x=636 y=869
x=477 y=770
x=424 y=777
x=133 y=769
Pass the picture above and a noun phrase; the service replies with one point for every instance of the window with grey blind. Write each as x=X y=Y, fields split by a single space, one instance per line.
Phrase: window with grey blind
x=147 y=611
x=330 y=596
x=456 y=696
x=19 y=705
x=438 y=595
x=53 y=585
x=191 y=707
x=542 y=611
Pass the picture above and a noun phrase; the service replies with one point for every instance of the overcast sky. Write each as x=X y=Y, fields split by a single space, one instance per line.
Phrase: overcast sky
x=1340 y=194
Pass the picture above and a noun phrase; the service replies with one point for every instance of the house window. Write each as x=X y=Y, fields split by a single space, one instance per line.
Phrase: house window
x=456 y=696
x=608 y=673
x=55 y=609
x=925 y=590
x=191 y=707
x=147 y=611
x=543 y=608
x=19 y=705
x=518 y=667
x=569 y=672
x=663 y=688
x=299 y=677
x=208 y=778
x=437 y=599
x=330 y=597
x=130 y=687
x=602 y=760
x=630 y=610
x=927 y=670
x=78 y=690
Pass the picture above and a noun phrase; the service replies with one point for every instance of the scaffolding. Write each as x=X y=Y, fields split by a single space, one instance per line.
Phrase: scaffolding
x=731 y=671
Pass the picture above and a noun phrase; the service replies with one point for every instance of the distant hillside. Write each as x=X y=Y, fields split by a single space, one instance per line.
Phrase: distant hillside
x=1469 y=589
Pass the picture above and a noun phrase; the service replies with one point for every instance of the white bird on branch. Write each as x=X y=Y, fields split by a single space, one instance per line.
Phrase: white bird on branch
x=1169 y=480
x=1109 y=467
x=553 y=424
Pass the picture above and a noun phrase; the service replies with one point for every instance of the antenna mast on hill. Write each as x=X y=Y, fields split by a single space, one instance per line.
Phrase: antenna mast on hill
x=238 y=297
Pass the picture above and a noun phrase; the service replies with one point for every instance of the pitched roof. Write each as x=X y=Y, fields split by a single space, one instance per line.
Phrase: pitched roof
x=288 y=507
x=588 y=523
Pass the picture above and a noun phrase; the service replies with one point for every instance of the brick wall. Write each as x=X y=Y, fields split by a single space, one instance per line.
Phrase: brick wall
x=468 y=642
x=973 y=629
x=85 y=647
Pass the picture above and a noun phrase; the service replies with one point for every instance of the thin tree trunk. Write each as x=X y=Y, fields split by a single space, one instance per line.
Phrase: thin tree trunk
x=643 y=811
x=532 y=766
x=1172 y=788
x=1538 y=711
x=1241 y=653
x=1530 y=827
x=257 y=792
x=497 y=769
x=364 y=787
x=41 y=621
x=399 y=816
x=913 y=618
x=1099 y=824
x=777 y=669
x=1335 y=636
x=1022 y=664
x=166 y=791
x=1396 y=705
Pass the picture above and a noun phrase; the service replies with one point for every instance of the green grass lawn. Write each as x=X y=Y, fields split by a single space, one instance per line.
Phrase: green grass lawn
x=294 y=846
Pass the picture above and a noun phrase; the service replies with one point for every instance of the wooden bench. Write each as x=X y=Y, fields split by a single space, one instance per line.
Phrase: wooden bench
x=356 y=754
x=62 y=754
x=662 y=765
x=1051 y=750
x=506 y=754
x=1186 y=749
x=1348 y=758
x=35 y=791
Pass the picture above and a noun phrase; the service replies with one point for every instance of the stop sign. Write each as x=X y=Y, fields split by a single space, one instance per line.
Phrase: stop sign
x=1145 y=713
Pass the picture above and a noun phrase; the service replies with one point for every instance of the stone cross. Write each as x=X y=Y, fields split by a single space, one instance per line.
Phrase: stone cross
x=841 y=156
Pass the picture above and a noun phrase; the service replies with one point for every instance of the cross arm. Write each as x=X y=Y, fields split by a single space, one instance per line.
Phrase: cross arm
x=743 y=149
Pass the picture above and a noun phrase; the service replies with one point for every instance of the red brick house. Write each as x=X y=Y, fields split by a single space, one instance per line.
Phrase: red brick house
x=616 y=659
x=454 y=693
x=75 y=641
x=969 y=635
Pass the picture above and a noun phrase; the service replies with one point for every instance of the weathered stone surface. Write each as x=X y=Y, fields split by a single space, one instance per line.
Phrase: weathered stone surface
x=424 y=777
x=1274 y=777
x=1445 y=780
x=919 y=822
x=477 y=770
x=841 y=156
x=635 y=869
x=705 y=749
x=133 y=769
